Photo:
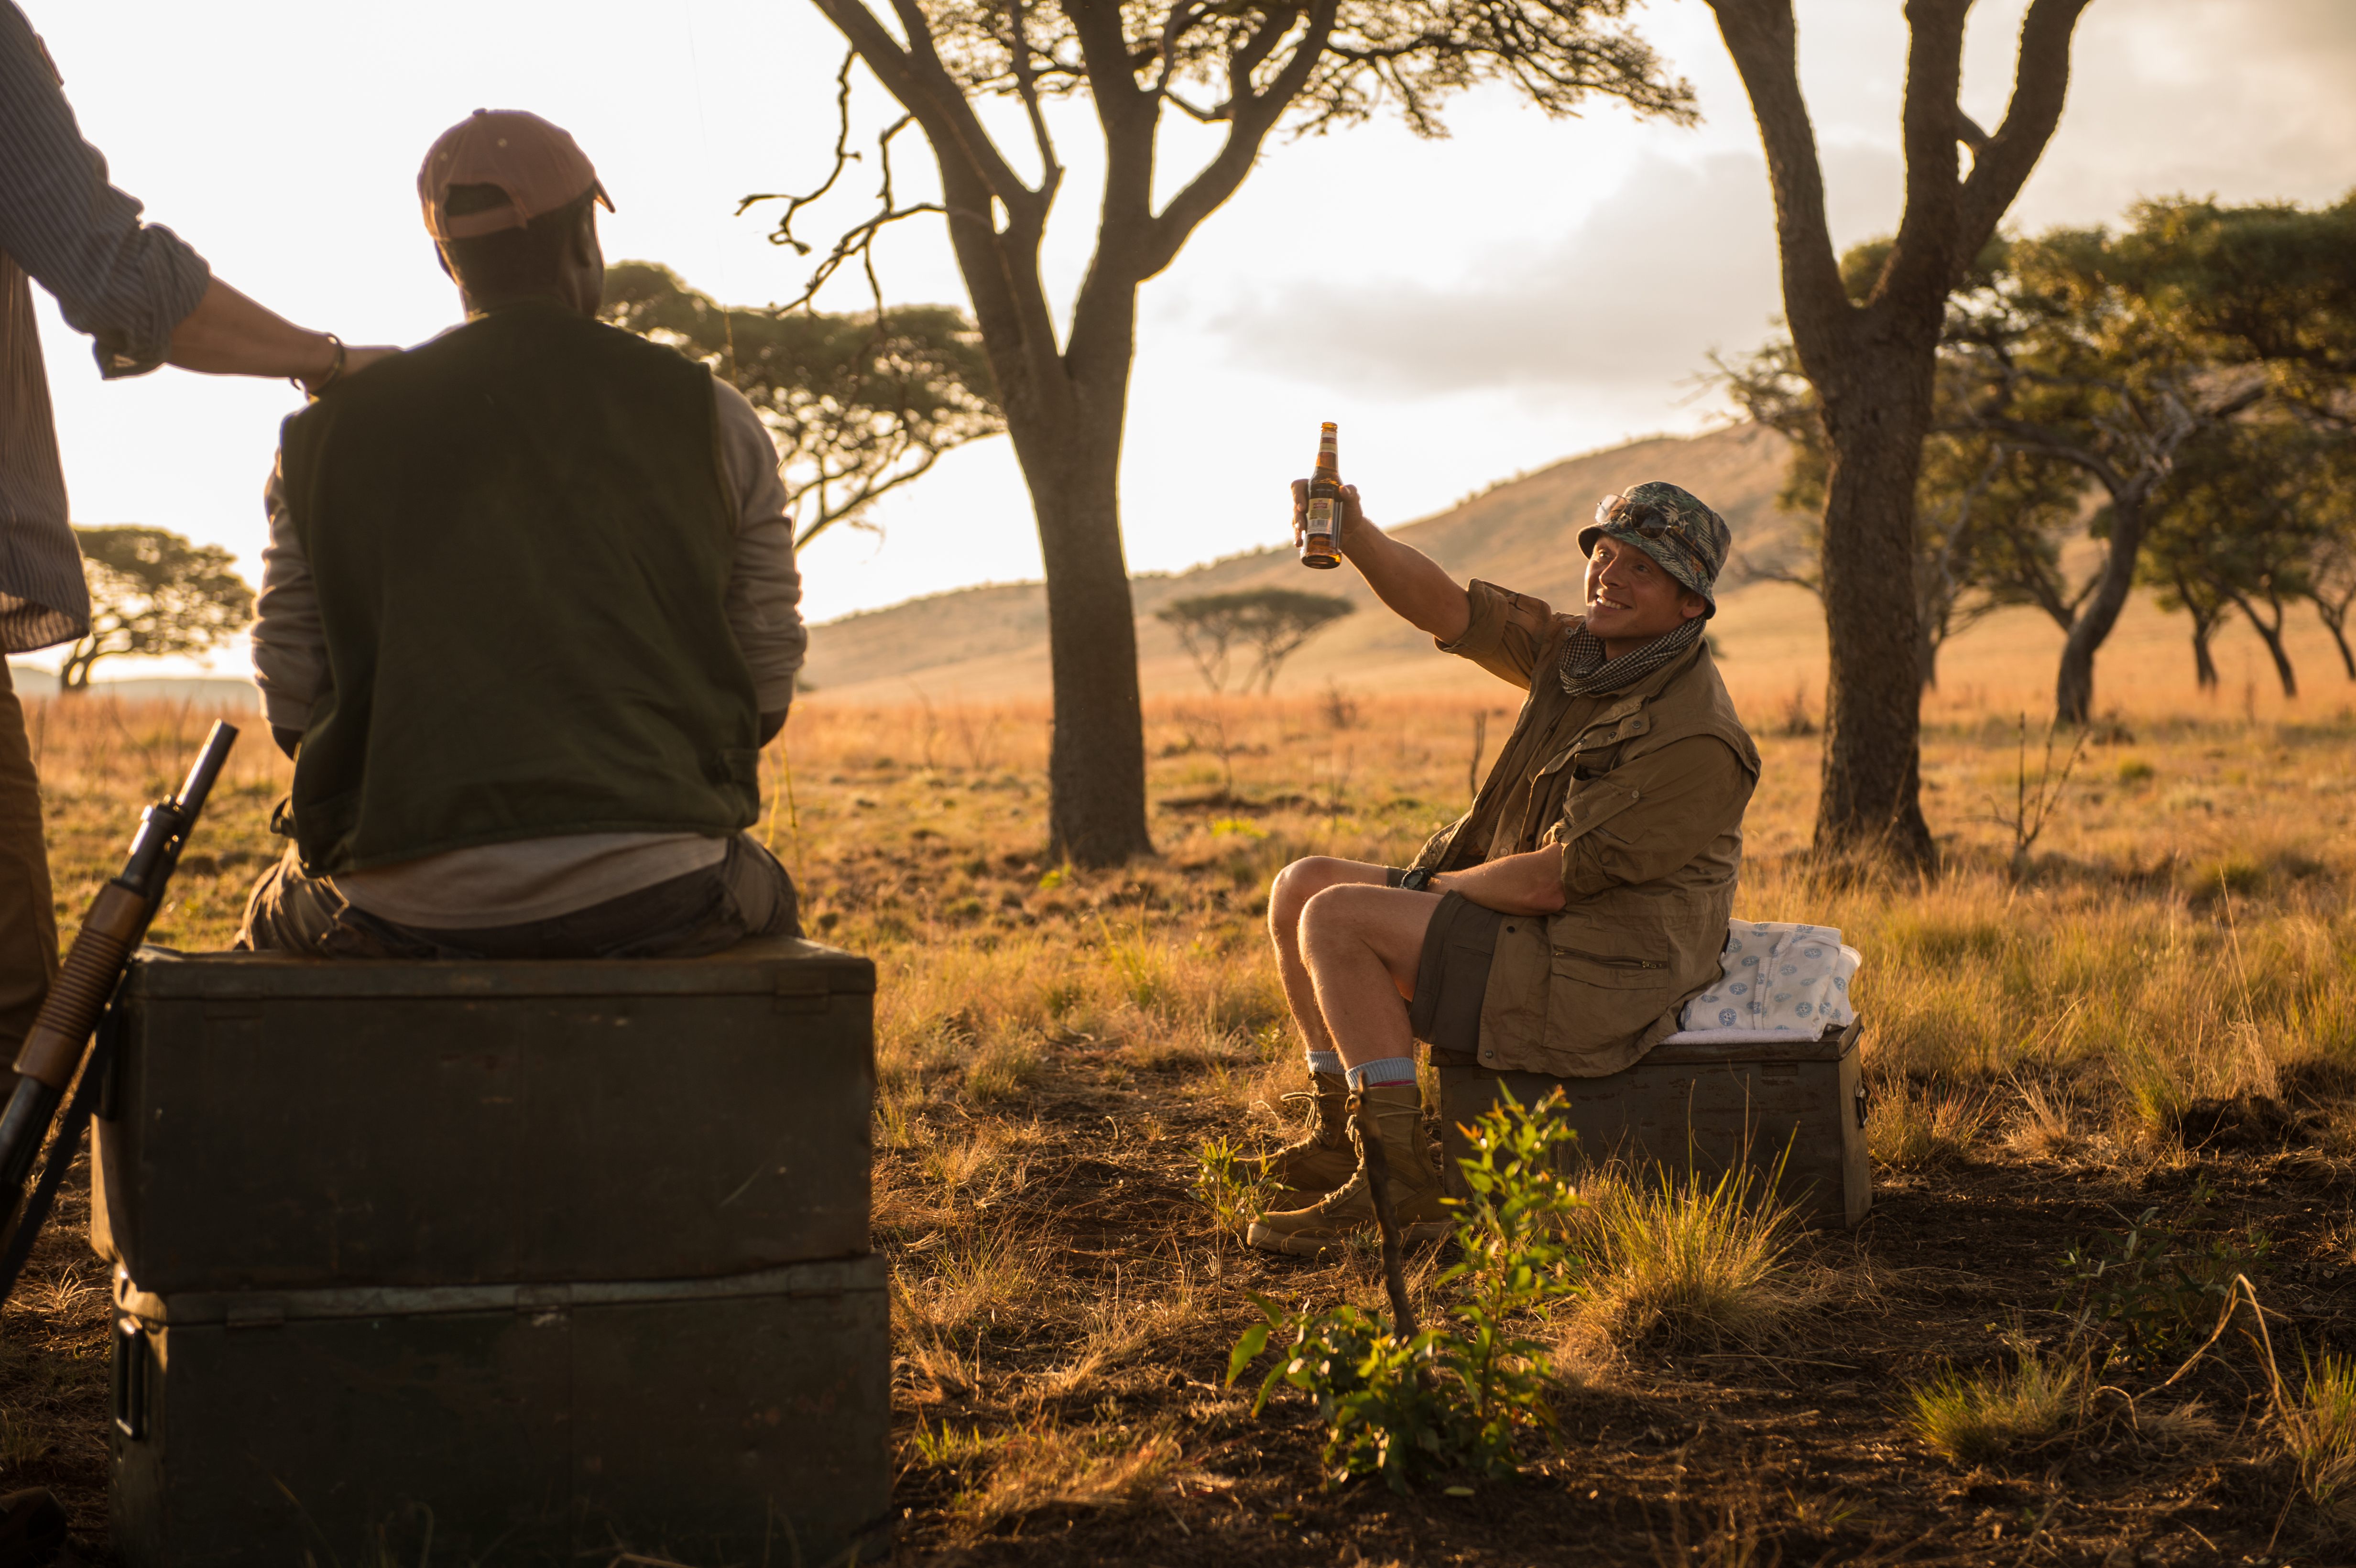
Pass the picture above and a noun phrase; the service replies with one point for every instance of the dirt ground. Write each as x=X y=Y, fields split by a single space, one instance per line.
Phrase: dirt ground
x=1038 y=1160
x=1790 y=1452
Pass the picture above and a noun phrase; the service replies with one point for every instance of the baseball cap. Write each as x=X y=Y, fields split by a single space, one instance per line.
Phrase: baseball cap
x=538 y=164
x=1668 y=524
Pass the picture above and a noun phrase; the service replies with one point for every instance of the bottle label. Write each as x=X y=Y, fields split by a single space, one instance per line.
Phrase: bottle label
x=1319 y=522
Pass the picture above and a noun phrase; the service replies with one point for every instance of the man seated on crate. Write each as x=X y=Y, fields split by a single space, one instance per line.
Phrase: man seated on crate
x=529 y=613
x=1560 y=924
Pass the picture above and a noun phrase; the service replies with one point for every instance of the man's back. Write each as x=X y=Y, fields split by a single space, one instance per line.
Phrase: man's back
x=522 y=544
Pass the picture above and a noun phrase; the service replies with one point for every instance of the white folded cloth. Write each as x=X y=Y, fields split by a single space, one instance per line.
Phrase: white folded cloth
x=1776 y=980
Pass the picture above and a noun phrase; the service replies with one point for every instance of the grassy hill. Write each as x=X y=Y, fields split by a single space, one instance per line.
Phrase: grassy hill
x=992 y=641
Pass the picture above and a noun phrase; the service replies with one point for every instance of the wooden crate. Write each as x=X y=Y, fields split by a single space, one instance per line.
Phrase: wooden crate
x=551 y=1258
x=1795 y=1108
x=700 y=1422
x=283 y=1123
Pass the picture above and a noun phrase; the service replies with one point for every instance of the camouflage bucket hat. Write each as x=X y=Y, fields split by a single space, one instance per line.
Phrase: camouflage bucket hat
x=1668 y=524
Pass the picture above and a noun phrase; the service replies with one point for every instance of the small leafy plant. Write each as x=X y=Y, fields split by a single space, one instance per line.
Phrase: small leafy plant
x=1224 y=1182
x=1456 y=1397
x=2157 y=1281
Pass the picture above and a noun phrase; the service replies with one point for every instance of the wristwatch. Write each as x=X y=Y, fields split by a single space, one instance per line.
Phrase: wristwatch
x=1418 y=879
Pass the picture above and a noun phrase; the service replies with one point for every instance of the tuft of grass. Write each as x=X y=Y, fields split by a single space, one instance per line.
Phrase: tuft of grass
x=1907 y=1131
x=1050 y=1466
x=2046 y=1123
x=1684 y=1263
x=2001 y=1416
x=2319 y=1434
x=1002 y=1069
x=949 y=1447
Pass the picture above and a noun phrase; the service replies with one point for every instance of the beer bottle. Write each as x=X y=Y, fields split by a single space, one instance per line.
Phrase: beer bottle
x=1322 y=531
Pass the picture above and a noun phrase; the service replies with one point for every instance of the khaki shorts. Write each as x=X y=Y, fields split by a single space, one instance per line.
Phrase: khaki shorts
x=1453 y=975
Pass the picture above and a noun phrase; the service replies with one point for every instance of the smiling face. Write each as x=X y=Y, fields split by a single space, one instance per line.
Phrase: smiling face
x=1631 y=598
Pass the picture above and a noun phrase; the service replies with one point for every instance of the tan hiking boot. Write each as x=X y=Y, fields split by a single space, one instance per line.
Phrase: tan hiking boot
x=1320 y=1158
x=1397 y=1112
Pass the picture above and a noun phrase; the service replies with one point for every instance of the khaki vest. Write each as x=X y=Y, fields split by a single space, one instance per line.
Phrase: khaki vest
x=1588 y=990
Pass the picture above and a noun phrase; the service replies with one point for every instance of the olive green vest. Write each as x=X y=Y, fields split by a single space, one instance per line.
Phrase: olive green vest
x=522 y=540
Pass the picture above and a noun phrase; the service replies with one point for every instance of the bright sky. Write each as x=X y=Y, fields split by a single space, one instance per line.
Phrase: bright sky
x=1466 y=309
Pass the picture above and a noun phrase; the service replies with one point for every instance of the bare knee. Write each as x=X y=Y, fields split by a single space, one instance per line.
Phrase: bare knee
x=1301 y=881
x=1337 y=909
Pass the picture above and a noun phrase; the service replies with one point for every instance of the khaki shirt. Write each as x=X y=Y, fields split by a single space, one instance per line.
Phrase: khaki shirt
x=1644 y=789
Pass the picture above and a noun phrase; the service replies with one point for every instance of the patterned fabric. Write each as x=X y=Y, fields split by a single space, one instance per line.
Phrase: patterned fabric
x=126 y=284
x=1779 y=978
x=1586 y=669
x=1668 y=524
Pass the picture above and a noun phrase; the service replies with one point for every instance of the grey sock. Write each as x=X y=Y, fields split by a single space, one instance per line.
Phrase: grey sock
x=1324 y=1062
x=1386 y=1070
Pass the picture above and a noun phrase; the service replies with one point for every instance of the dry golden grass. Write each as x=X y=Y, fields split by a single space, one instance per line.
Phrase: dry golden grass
x=1054 y=1044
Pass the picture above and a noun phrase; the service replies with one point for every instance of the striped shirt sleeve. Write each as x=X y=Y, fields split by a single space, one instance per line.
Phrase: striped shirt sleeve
x=126 y=283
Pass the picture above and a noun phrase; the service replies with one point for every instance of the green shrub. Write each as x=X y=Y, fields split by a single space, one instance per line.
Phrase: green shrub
x=2157 y=1283
x=1453 y=1398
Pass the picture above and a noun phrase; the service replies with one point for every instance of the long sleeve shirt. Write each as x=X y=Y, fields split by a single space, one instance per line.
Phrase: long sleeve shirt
x=126 y=283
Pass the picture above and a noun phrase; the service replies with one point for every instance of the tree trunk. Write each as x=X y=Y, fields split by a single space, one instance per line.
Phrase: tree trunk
x=1871 y=791
x=2205 y=667
x=2272 y=637
x=73 y=670
x=2073 y=689
x=1095 y=765
x=2338 y=626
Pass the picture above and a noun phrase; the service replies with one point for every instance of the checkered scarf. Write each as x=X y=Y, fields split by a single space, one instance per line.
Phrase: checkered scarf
x=1585 y=670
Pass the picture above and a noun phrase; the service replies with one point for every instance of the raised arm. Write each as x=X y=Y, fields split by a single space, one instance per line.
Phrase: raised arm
x=1409 y=582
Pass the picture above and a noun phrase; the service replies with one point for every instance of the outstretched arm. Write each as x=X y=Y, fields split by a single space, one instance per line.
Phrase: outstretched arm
x=1402 y=576
x=230 y=335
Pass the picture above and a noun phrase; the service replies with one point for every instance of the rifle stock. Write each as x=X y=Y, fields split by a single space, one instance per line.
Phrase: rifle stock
x=118 y=918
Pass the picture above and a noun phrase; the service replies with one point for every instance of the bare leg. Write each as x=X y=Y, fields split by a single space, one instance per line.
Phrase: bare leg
x=1361 y=946
x=1287 y=896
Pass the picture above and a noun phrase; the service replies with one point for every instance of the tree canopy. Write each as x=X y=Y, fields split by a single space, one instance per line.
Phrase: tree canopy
x=153 y=592
x=2153 y=368
x=1062 y=375
x=859 y=404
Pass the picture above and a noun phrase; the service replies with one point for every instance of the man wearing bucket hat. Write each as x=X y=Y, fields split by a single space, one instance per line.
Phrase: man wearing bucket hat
x=1561 y=924
x=528 y=613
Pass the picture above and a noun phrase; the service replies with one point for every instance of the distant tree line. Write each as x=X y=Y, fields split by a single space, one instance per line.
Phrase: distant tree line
x=2181 y=394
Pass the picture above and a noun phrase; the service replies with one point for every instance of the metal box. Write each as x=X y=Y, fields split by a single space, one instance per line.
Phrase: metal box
x=734 y=1421
x=277 y=1123
x=1703 y=1107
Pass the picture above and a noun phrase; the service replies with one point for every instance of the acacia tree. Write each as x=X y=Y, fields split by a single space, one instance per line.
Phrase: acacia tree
x=858 y=404
x=2074 y=362
x=1275 y=621
x=1872 y=364
x=153 y=592
x=1987 y=522
x=1248 y=68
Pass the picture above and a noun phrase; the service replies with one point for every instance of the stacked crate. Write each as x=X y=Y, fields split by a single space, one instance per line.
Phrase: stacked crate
x=533 y=1259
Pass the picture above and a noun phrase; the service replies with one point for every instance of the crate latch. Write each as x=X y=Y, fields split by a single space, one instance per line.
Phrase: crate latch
x=131 y=1369
x=1861 y=1103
